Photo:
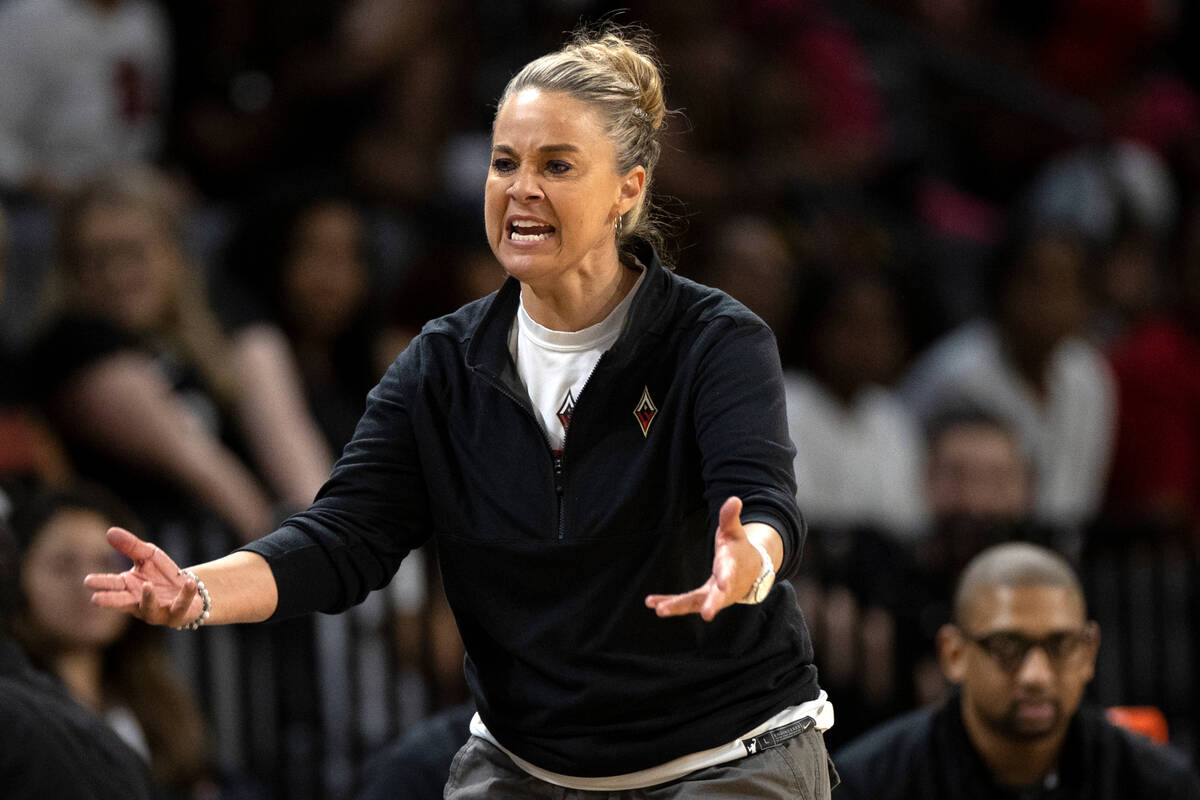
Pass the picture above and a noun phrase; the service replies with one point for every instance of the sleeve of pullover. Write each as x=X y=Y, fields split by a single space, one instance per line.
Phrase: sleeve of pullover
x=741 y=426
x=367 y=517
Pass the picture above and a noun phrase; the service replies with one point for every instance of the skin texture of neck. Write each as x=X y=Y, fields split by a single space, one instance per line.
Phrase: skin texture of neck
x=578 y=299
x=1014 y=763
x=81 y=670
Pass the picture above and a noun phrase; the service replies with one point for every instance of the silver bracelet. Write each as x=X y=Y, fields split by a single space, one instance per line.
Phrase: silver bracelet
x=205 y=600
x=766 y=572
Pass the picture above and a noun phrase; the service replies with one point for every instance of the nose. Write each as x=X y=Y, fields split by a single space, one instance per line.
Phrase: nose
x=1036 y=669
x=525 y=185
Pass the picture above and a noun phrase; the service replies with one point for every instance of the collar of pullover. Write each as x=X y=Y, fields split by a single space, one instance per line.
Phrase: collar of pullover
x=488 y=349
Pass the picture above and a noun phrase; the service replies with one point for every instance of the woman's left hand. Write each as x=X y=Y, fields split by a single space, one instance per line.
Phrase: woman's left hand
x=736 y=565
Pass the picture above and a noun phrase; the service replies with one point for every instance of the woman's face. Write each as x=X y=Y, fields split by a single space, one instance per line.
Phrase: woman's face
x=1047 y=299
x=325 y=279
x=69 y=546
x=553 y=192
x=128 y=268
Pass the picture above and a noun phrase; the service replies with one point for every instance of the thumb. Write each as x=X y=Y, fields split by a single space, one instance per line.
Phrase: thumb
x=125 y=542
x=729 y=521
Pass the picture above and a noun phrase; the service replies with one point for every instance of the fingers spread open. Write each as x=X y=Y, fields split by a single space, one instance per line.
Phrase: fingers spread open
x=104 y=582
x=124 y=600
x=714 y=601
x=671 y=605
x=148 y=609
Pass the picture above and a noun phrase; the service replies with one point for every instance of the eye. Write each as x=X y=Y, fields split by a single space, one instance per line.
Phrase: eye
x=1009 y=649
x=503 y=165
x=1062 y=645
x=557 y=167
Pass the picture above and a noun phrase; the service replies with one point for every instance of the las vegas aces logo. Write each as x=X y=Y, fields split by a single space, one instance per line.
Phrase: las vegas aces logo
x=645 y=410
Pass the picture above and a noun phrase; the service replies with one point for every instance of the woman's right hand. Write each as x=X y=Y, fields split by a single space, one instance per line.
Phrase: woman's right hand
x=153 y=589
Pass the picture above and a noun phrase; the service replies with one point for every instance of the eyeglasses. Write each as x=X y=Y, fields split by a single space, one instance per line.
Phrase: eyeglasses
x=1010 y=649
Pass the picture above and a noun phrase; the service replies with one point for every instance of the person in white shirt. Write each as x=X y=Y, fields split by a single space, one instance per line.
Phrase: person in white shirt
x=83 y=87
x=1028 y=364
x=858 y=447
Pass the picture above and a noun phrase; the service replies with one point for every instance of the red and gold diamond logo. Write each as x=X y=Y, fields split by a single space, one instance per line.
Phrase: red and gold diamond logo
x=645 y=411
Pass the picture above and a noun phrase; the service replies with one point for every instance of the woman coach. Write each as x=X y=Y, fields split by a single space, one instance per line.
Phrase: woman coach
x=571 y=442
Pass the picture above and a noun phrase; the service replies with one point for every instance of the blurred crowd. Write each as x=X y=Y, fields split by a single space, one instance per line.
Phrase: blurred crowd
x=974 y=226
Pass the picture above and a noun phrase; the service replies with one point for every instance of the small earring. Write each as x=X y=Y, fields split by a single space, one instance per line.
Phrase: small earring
x=617 y=226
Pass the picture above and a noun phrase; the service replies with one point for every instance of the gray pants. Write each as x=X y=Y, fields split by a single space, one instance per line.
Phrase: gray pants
x=797 y=770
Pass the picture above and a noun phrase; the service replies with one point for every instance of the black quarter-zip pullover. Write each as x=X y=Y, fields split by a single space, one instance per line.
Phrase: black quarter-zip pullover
x=547 y=565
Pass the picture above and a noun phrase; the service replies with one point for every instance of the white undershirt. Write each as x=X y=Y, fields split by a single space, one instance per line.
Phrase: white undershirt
x=555 y=365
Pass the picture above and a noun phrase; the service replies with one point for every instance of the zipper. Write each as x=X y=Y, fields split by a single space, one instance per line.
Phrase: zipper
x=560 y=466
x=555 y=458
x=559 y=489
x=558 y=460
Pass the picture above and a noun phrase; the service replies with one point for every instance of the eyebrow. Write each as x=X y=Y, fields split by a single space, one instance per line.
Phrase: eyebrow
x=1015 y=632
x=547 y=148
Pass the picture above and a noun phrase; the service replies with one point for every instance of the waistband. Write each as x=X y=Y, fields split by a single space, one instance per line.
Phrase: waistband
x=791 y=722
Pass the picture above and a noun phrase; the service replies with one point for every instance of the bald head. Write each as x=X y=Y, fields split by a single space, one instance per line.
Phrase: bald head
x=1013 y=564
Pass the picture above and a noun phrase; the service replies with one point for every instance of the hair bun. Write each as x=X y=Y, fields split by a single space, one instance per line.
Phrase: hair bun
x=630 y=53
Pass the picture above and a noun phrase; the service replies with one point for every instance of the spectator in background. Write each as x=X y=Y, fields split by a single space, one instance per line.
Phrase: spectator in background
x=83 y=87
x=748 y=256
x=858 y=447
x=1021 y=652
x=50 y=746
x=146 y=390
x=301 y=260
x=29 y=453
x=979 y=486
x=1027 y=363
x=269 y=88
x=1120 y=197
x=446 y=278
x=1156 y=467
x=302 y=256
x=116 y=667
x=782 y=98
x=816 y=116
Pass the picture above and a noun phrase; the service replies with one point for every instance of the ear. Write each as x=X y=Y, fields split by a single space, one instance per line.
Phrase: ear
x=1093 y=629
x=632 y=186
x=952 y=653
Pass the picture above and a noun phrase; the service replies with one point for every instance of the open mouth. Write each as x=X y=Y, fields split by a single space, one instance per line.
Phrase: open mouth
x=525 y=230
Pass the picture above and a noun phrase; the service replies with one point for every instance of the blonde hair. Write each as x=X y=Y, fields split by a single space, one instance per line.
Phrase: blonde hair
x=189 y=327
x=616 y=72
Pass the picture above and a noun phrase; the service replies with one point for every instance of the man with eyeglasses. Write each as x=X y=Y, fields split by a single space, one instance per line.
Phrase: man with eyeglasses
x=1020 y=652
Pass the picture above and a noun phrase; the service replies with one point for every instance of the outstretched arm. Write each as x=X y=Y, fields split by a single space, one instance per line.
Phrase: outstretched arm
x=274 y=418
x=736 y=565
x=123 y=405
x=240 y=585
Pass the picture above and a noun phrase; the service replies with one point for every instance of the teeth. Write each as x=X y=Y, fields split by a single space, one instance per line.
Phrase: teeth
x=528 y=237
x=525 y=223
